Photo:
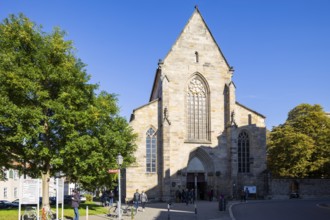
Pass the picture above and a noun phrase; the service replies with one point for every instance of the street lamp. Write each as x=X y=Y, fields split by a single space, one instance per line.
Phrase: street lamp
x=119 y=162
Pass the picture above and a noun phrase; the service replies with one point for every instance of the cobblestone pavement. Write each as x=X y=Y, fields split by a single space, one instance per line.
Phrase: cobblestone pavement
x=204 y=210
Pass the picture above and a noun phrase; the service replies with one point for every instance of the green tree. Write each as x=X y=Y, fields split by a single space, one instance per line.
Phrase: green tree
x=51 y=120
x=301 y=146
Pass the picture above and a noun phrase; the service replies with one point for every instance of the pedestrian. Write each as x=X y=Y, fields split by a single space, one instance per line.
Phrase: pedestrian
x=243 y=199
x=211 y=195
x=144 y=199
x=106 y=198
x=136 y=199
x=192 y=196
x=103 y=199
x=246 y=193
x=111 y=195
x=178 y=195
x=183 y=196
x=75 y=204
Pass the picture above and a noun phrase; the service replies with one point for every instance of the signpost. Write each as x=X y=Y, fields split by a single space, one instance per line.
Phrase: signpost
x=113 y=171
x=59 y=195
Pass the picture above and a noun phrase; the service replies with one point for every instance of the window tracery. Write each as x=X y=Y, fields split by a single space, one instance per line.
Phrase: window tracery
x=197 y=110
x=151 y=150
x=243 y=153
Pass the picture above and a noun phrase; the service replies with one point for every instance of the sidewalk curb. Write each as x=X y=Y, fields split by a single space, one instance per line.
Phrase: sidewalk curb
x=231 y=211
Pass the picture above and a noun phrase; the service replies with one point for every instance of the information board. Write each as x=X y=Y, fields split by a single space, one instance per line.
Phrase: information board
x=60 y=190
x=30 y=191
x=252 y=189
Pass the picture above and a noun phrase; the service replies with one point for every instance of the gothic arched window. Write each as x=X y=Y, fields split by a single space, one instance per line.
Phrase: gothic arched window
x=243 y=153
x=197 y=110
x=151 y=151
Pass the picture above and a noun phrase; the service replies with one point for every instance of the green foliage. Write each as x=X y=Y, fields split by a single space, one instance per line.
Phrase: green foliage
x=89 y=197
x=51 y=119
x=301 y=146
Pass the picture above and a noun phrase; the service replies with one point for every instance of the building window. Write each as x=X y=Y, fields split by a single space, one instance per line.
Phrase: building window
x=197 y=110
x=151 y=151
x=15 y=192
x=11 y=174
x=196 y=57
x=16 y=175
x=5 y=192
x=243 y=153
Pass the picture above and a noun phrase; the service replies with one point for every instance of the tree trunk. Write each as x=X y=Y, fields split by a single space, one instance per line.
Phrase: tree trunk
x=45 y=189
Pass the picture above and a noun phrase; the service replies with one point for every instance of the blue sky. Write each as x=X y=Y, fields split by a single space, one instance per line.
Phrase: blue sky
x=280 y=49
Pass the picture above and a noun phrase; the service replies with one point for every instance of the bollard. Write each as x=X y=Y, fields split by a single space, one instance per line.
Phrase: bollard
x=132 y=213
x=222 y=204
x=86 y=212
x=168 y=211
x=195 y=209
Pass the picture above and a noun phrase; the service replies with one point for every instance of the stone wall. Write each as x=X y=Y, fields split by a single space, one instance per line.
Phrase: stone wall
x=307 y=188
x=135 y=176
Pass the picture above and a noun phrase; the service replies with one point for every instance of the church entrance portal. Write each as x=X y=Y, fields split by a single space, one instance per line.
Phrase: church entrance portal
x=199 y=179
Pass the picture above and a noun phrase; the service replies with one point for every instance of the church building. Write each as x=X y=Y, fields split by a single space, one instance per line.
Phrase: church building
x=193 y=133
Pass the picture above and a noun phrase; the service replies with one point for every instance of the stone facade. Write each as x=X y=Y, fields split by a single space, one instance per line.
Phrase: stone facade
x=307 y=188
x=205 y=139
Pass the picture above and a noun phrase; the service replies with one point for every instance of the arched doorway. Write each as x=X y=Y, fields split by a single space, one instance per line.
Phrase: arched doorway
x=196 y=178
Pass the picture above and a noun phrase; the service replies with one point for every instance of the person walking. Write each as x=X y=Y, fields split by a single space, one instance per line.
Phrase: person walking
x=211 y=195
x=246 y=193
x=111 y=195
x=183 y=196
x=243 y=198
x=136 y=199
x=75 y=204
x=187 y=196
x=144 y=199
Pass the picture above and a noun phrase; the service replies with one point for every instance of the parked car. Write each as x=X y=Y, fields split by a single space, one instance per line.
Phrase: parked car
x=16 y=201
x=67 y=199
x=82 y=199
x=52 y=200
x=5 y=204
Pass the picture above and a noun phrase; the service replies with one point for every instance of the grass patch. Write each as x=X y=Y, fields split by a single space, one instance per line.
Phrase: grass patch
x=93 y=209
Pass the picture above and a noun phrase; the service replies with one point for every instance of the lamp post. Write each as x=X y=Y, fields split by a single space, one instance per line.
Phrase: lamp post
x=119 y=162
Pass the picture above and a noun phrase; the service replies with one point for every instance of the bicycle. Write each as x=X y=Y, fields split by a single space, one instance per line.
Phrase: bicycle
x=30 y=213
x=50 y=215
x=125 y=209
x=113 y=211
x=128 y=209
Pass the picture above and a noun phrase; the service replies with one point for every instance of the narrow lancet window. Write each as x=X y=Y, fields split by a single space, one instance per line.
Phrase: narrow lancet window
x=151 y=151
x=196 y=57
x=243 y=153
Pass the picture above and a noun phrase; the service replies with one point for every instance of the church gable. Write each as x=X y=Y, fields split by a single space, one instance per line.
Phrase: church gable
x=247 y=116
x=196 y=44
